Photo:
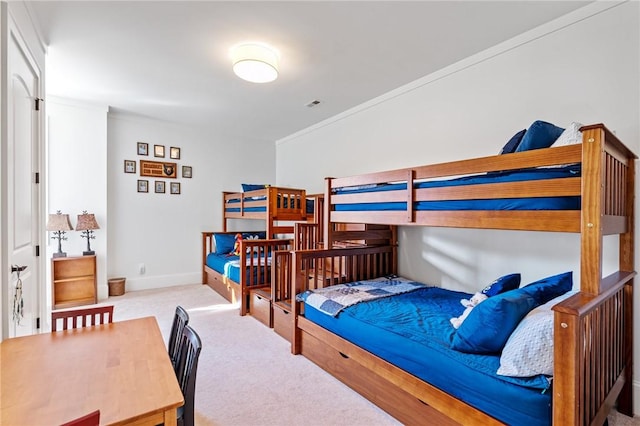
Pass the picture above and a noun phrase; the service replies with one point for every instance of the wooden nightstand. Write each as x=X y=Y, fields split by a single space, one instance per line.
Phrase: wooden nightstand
x=73 y=281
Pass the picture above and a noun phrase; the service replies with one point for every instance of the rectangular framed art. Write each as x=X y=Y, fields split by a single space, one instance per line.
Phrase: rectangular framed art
x=186 y=172
x=158 y=169
x=158 y=151
x=175 y=187
x=143 y=186
x=160 y=186
x=129 y=166
x=143 y=148
x=174 y=153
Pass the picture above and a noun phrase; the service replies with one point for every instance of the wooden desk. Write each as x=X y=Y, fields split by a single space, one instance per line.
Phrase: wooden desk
x=122 y=369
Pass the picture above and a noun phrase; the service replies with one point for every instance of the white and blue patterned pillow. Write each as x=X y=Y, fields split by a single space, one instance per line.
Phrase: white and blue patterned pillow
x=571 y=135
x=529 y=350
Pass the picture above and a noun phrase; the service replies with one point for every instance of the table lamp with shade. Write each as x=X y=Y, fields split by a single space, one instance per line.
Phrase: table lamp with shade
x=58 y=224
x=87 y=223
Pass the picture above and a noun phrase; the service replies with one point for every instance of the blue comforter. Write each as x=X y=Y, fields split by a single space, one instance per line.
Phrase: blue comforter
x=412 y=331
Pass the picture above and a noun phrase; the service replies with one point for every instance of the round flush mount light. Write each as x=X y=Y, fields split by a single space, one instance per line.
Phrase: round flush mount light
x=255 y=62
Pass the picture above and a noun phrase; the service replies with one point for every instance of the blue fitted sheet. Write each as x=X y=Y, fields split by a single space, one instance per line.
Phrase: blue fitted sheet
x=309 y=203
x=228 y=266
x=538 y=203
x=412 y=331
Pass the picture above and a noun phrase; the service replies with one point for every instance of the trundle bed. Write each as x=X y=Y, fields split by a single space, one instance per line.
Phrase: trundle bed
x=588 y=188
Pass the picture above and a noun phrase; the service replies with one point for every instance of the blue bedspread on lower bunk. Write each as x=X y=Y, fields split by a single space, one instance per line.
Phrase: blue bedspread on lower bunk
x=229 y=266
x=412 y=331
x=539 y=203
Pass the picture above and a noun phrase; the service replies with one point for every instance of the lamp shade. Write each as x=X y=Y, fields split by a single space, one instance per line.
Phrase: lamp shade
x=59 y=222
x=86 y=222
x=255 y=62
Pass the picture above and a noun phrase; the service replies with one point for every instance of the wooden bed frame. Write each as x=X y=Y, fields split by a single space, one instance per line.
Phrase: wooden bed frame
x=593 y=329
x=276 y=210
x=253 y=276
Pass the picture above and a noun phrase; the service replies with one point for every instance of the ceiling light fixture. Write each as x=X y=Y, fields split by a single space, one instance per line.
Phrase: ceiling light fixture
x=255 y=62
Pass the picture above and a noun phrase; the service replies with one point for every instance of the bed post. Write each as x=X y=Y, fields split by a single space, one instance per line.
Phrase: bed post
x=328 y=225
x=592 y=210
x=627 y=256
x=207 y=238
x=296 y=338
x=224 y=216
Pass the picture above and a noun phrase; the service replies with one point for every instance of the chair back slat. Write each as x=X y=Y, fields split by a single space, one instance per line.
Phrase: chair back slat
x=187 y=366
x=180 y=321
x=82 y=317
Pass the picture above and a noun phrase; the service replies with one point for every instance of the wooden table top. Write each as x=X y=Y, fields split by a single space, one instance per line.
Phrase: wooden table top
x=122 y=369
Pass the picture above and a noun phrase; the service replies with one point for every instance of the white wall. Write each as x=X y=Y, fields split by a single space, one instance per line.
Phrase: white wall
x=583 y=67
x=163 y=231
x=77 y=178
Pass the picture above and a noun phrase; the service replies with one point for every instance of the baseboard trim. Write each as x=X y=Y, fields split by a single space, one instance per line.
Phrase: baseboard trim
x=162 y=281
x=636 y=398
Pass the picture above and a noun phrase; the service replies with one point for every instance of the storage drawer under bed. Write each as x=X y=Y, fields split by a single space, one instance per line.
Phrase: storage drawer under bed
x=260 y=305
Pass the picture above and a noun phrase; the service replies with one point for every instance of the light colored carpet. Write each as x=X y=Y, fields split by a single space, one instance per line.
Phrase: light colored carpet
x=246 y=373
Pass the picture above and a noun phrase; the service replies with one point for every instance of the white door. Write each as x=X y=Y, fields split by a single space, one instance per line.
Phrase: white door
x=22 y=191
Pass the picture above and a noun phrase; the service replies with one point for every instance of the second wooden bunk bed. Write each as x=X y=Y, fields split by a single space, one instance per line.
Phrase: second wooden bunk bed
x=593 y=330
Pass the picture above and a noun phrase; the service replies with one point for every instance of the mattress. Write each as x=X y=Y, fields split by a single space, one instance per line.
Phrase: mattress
x=412 y=331
x=228 y=266
x=524 y=203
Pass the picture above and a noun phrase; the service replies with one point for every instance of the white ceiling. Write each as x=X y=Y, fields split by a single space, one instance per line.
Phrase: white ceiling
x=169 y=60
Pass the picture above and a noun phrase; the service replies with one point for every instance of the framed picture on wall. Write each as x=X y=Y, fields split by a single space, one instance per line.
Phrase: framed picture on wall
x=143 y=186
x=174 y=153
x=143 y=148
x=129 y=166
x=158 y=151
x=186 y=171
x=160 y=186
x=175 y=187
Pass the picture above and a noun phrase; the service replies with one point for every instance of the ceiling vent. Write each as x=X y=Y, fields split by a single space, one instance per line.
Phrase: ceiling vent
x=312 y=103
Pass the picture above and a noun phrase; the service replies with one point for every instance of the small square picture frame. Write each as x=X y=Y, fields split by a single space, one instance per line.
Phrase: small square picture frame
x=159 y=187
x=143 y=185
x=129 y=166
x=158 y=151
x=187 y=172
x=143 y=148
x=174 y=153
x=175 y=187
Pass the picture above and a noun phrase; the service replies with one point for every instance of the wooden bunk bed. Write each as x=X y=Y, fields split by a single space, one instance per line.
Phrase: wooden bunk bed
x=593 y=329
x=280 y=208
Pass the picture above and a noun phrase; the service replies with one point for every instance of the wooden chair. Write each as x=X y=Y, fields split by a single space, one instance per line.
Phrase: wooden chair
x=91 y=419
x=82 y=317
x=180 y=321
x=187 y=366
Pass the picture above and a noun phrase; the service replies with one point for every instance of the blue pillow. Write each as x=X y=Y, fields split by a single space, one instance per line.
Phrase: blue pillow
x=513 y=143
x=539 y=135
x=252 y=187
x=489 y=325
x=502 y=284
x=549 y=288
x=224 y=243
x=257 y=235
